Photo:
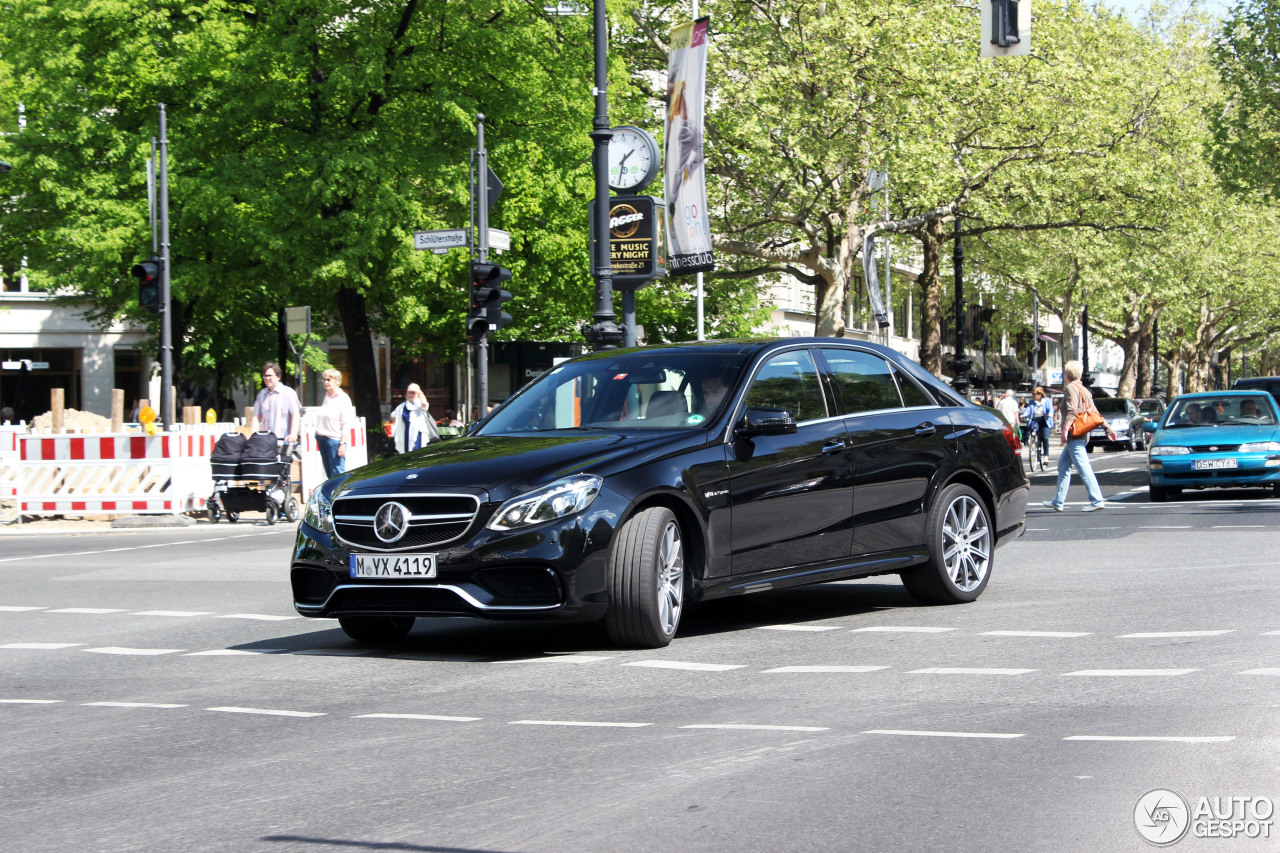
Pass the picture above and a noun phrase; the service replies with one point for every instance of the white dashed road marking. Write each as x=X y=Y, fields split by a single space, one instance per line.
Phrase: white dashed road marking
x=131 y=705
x=30 y=701
x=1155 y=635
x=908 y=629
x=826 y=669
x=583 y=723
x=262 y=617
x=1266 y=670
x=233 y=652
x=695 y=667
x=87 y=610
x=1131 y=672
x=40 y=645
x=266 y=711
x=14 y=609
x=120 y=650
x=757 y=728
x=962 y=670
x=908 y=732
x=1169 y=739
x=564 y=659
x=1036 y=633
x=797 y=628
x=436 y=717
x=171 y=613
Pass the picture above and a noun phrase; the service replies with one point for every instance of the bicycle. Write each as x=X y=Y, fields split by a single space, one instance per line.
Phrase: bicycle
x=1036 y=460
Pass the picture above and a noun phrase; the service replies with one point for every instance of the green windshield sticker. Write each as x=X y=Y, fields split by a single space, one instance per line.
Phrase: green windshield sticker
x=694 y=419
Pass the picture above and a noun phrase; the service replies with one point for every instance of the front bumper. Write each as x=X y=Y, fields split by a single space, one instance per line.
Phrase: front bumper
x=556 y=570
x=1254 y=470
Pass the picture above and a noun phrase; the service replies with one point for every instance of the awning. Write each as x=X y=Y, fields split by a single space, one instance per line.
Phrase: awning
x=1045 y=336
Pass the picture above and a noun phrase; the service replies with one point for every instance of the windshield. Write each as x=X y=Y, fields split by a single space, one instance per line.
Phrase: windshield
x=639 y=390
x=1112 y=405
x=1213 y=411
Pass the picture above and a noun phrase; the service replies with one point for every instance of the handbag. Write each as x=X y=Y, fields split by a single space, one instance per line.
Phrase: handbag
x=1087 y=421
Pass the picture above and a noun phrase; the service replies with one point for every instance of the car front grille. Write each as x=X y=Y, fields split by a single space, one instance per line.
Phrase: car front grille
x=435 y=519
x=521 y=586
x=1214 y=448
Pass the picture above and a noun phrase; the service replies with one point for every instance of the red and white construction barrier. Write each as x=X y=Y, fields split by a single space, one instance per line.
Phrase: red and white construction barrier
x=9 y=460
x=166 y=473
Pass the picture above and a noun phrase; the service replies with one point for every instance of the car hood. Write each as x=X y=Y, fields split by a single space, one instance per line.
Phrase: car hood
x=504 y=466
x=1223 y=434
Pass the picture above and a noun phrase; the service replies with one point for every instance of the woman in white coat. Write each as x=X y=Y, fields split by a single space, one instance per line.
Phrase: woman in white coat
x=411 y=426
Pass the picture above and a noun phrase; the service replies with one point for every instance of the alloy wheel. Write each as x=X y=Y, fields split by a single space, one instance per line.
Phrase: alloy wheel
x=670 y=577
x=966 y=543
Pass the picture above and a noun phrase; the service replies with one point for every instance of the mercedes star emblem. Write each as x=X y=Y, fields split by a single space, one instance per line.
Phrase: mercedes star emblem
x=391 y=521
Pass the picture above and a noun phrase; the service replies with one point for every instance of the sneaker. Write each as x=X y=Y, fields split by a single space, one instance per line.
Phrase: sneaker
x=1092 y=507
x=1052 y=505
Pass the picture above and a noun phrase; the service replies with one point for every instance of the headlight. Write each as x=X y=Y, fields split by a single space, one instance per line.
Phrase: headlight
x=319 y=512
x=1259 y=446
x=1169 y=450
x=561 y=498
x=1119 y=424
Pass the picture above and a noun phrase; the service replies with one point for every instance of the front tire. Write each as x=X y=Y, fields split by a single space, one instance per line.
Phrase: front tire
x=376 y=629
x=961 y=550
x=646 y=580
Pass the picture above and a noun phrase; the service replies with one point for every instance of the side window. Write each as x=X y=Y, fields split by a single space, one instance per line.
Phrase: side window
x=912 y=394
x=864 y=381
x=789 y=380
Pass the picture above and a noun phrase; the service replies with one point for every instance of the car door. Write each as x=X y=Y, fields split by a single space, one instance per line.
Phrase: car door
x=791 y=495
x=899 y=440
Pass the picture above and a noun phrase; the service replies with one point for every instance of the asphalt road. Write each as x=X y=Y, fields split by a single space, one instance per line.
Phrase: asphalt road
x=158 y=693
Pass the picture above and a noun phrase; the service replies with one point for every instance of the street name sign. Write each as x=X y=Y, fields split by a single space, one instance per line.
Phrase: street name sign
x=441 y=240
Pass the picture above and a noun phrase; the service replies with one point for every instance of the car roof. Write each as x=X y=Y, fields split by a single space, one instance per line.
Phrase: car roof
x=1241 y=392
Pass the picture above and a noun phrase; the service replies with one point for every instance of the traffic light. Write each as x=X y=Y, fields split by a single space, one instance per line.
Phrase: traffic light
x=1004 y=23
x=487 y=297
x=148 y=273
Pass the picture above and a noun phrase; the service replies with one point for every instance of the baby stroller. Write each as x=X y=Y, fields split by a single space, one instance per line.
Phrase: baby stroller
x=252 y=474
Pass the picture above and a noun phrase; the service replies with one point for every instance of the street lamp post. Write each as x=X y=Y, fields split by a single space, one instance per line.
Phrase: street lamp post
x=604 y=333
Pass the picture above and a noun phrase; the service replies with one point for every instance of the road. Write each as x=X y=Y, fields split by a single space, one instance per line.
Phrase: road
x=158 y=693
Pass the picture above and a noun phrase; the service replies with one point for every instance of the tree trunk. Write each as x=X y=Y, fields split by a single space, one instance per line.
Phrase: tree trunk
x=830 y=296
x=930 y=281
x=364 y=373
x=1143 y=387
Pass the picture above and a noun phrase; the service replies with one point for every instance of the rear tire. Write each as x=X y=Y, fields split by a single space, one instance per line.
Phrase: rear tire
x=376 y=629
x=233 y=517
x=961 y=550
x=646 y=580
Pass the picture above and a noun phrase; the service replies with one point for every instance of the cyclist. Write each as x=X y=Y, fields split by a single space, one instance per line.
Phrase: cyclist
x=1039 y=421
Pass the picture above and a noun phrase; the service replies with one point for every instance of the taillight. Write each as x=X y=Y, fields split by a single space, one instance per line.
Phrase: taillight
x=1012 y=437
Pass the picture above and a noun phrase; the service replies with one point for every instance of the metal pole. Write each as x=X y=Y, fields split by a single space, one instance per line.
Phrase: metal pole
x=1155 y=357
x=482 y=253
x=888 y=280
x=166 y=309
x=1035 y=336
x=604 y=333
x=960 y=363
x=1086 y=378
x=702 y=336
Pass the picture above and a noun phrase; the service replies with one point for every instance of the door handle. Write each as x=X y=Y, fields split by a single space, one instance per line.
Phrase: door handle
x=833 y=447
x=925 y=428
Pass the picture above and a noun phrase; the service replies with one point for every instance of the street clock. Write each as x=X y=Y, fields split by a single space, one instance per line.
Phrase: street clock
x=633 y=159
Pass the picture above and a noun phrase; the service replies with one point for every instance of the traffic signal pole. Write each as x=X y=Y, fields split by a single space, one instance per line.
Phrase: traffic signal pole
x=481 y=242
x=166 y=308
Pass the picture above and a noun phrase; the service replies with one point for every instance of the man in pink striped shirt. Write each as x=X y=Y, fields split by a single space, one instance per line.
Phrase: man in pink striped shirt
x=276 y=408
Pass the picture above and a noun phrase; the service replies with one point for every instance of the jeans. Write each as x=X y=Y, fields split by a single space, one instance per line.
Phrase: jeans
x=333 y=463
x=1040 y=432
x=1074 y=454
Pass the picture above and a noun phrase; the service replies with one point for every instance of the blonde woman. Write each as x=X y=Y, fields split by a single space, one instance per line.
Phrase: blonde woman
x=1075 y=399
x=333 y=426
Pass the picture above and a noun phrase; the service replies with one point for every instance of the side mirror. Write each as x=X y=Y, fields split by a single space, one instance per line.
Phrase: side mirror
x=1149 y=426
x=765 y=420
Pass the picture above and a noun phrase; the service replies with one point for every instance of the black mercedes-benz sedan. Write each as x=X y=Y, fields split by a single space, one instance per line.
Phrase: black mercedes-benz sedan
x=625 y=484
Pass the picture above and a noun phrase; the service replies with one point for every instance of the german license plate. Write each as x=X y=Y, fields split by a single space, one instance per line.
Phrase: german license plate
x=1213 y=464
x=392 y=565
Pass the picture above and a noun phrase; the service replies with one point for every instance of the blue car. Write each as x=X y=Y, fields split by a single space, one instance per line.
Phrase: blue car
x=1215 y=439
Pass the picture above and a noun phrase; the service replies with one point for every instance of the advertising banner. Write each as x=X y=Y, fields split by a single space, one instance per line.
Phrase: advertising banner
x=873 y=282
x=688 y=231
x=635 y=240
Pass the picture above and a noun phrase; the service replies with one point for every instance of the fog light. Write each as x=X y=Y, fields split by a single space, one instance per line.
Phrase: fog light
x=1273 y=462
x=1156 y=464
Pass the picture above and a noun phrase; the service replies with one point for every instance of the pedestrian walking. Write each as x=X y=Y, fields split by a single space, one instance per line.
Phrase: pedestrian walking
x=276 y=408
x=411 y=426
x=334 y=424
x=1075 y=453
x=1008 y=407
